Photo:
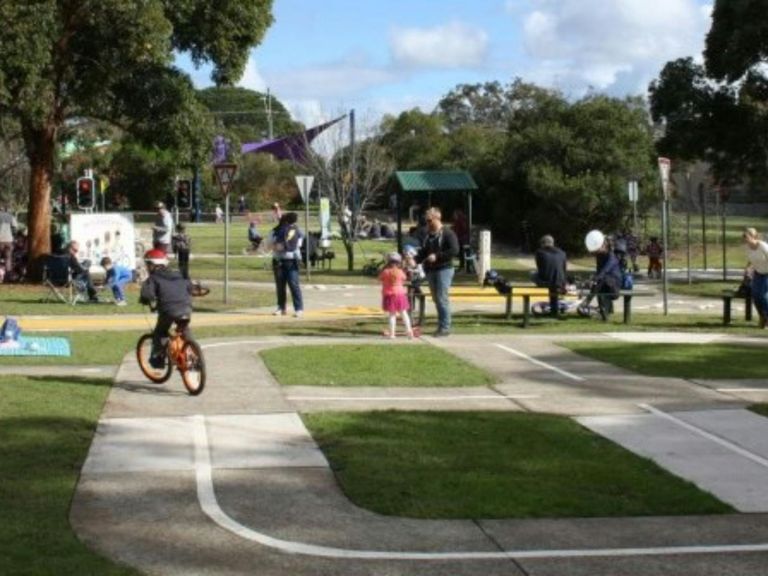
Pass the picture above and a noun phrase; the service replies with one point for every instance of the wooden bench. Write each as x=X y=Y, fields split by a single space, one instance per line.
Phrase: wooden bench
x=728 y=296
x=627 y=296
x=527 y=292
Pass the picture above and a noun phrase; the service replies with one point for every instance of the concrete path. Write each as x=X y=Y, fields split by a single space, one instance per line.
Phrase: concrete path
x=231 y=483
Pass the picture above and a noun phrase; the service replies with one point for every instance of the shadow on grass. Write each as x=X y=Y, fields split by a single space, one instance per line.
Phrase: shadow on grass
x=83 y=380
x=41 y=459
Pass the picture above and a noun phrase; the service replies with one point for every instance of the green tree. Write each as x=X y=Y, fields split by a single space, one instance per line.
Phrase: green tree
x=569 y=163
x=737 y=43
x=719 y=112
x=244 y=113
x=416 y=140
x=484 y=104
x=111 y=60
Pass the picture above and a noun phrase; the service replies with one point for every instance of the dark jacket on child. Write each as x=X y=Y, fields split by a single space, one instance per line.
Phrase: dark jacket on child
x=170 y=290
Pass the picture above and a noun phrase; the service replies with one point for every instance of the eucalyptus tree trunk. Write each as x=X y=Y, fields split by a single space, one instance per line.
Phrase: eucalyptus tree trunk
x=41 y=148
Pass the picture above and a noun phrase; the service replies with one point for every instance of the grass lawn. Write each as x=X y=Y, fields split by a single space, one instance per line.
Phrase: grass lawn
x=371 y=365
x=491 y=465
x=21 y=299
x=47 y=426
x=679 y=361
x=110 y=347
x=705 y=289
x=761 y=409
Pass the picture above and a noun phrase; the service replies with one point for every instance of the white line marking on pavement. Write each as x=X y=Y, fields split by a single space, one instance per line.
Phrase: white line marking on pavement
x=238 y=343
x=709 y=436
x=414 y=398
x=540 y=363
x=741 y=389
x=208 y=503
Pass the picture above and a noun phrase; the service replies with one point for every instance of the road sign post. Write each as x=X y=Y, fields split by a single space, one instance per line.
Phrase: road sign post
x=304 y=184
x=225 y=175
x=633 y=192
x=665 y=166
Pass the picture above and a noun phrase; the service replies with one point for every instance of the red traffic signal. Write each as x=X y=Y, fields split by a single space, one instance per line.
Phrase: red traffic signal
x=86 y=196
x=184 y=194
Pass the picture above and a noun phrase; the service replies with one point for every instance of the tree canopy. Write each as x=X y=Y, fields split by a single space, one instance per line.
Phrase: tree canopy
x=111 y=60
x=738 y=39
x=243 y=112
x=718 y=112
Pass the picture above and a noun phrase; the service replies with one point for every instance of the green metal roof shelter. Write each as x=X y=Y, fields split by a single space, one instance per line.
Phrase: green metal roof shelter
x=431 y=182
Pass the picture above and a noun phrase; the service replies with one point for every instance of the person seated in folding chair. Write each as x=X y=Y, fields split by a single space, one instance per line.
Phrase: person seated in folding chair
x=171 y=295
x=81 y=276
x=56 y=275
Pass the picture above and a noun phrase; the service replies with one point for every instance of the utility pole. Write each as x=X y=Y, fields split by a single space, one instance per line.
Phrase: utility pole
x=688 y=222
x=353 y=172
x=268 y=110
x=703 y=202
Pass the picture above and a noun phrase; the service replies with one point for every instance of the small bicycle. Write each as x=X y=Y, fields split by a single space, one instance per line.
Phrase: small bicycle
x=182 y=352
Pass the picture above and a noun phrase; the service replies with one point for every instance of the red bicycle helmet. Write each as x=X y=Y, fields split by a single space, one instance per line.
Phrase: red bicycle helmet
x=156 y=257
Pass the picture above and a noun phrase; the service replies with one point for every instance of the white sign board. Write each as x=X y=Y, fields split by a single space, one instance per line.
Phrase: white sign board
x=632 y=189
x=105 y=234
x=484 y=256
x=304 y=184
x=665 y=166
x=325 y=218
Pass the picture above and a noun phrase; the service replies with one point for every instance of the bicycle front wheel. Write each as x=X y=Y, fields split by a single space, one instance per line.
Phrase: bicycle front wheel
x=193 y=368
x=143 y=353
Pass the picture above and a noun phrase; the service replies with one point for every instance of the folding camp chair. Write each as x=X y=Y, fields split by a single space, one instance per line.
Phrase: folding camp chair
x=57 y=277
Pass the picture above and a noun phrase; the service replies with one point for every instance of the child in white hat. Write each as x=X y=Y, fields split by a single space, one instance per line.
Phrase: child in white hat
x=394 y=295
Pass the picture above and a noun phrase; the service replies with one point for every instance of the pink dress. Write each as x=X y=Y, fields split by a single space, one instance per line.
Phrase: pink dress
x=394 y=295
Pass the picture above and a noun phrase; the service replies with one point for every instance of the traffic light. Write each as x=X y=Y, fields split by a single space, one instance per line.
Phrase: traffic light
x=86 y=197
x=184 y=194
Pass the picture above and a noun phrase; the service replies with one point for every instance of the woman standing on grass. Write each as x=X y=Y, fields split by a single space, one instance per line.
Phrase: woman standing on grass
x=757 y=268
x=394 y=296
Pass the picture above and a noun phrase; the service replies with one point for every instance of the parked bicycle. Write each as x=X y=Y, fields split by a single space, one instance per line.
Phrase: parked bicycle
x=182 y=352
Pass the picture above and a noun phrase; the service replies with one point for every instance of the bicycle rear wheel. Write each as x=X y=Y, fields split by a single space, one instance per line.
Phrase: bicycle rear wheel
x=193 y=368
x=143 y=353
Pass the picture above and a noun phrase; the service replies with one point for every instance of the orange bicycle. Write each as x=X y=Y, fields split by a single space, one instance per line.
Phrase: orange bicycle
x=182 y=352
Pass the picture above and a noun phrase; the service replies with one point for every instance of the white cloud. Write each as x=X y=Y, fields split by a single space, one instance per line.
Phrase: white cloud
x=309 y=112
x=329 y=80
x=610 y=45
x=453 y=45
x=252 y=78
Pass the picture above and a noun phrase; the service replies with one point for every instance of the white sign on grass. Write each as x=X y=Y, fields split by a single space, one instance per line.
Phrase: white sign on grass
x=665 y=166
x=105 y=234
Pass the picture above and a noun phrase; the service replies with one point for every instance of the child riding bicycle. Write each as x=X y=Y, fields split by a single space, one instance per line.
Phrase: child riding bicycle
x=171 y=295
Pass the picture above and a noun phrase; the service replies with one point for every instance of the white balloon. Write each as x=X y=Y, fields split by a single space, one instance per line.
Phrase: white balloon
x=594 y=240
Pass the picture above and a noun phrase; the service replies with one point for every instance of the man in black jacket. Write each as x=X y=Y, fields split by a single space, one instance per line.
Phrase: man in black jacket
x=550 y=265
x=172 y=294
x=438 y=249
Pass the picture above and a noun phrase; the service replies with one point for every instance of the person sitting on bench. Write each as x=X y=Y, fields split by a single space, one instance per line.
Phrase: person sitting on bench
x=551 y=265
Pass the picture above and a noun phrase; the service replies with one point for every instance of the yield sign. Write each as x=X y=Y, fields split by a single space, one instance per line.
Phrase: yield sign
x=225 y=174
x=304 y=183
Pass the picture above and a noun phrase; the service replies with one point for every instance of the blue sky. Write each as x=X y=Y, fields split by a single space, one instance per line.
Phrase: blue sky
x=385 y=56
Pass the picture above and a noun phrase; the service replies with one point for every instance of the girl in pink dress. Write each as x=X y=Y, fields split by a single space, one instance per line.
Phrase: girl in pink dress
x=394 y=295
